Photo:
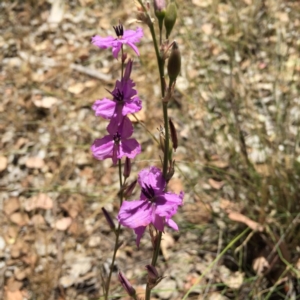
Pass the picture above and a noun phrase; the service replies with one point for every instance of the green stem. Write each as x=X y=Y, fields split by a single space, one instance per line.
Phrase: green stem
x=160 y=63
x=117 y=233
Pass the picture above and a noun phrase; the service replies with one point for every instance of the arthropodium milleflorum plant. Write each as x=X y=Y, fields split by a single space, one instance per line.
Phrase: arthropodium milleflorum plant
x=155 y=206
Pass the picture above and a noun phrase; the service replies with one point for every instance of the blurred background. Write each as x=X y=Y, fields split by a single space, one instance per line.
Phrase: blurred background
x=236 y=110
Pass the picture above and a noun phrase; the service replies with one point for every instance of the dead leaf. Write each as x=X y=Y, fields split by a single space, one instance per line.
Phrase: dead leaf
x=35 y=163
x=21 y=274
x=238 y=217
x=20 y=219
x=216 y=184
x=166 y=242
x=16 y=295
x=233 y=280
x=45 y=102
x=11 y=205
x=260 y=265
x=76 y=88
x=63 y=223
x=37 y=220
x=73 y=206
x=3 y=163
x=41 y=201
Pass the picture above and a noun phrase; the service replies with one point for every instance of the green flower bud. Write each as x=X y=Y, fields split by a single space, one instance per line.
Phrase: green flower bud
x=170 y=18
x=160 y=11
x=174 y=63
x=159 y=8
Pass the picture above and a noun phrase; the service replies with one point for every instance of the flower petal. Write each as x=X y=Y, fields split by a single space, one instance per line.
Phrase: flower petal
x=139 y=231
x=116 y=47
x=172 y=224
x=103 y=42
x=132 y=106
x=130 y=148
x=152 y=176
x=103 y=148
x=133 y=36
x=126 y=128
x=158 y=222
x=104 y=108
x=167 y=204
x=134 y=214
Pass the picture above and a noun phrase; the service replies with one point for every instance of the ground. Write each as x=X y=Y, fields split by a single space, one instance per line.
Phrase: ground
x=236 y=111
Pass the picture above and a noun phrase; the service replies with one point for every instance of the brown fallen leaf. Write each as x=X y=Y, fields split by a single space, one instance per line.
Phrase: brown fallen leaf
x=20 y=219
x=3 y=163
x=260 y=265
x=11 y=205
x=215 y=184
x=35 y=163
x=16 y=295
x=41 y=201
x=45 y=102
x=76 y=88
x=238 y=217
x=63 y=223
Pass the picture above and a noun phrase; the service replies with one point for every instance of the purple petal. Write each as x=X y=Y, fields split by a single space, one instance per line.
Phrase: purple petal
x=158 y=222
x=133 y=36
x=126 y=128
x=114 y=125
x=116 y=47
x=167 y=204
x=103 y=148
x=135 y=214
x=128 y=70
x=134 y=48
x=172 y=224
x=104 y=108
x=139 y=231
x=130 y=148
x=152 y=176
x=103 y=42
x=132 y=107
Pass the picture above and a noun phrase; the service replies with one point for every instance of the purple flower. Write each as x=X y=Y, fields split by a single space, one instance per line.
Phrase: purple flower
x=127 y=37
x=154 y=207
x=117 y=144
x=124 y=100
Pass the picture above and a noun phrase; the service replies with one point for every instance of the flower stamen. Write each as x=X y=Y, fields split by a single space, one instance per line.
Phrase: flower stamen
x=119 y=30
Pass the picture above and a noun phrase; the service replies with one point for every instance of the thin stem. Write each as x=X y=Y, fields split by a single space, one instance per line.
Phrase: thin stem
x=117 y=234
x=160 y=63
x=112 y=262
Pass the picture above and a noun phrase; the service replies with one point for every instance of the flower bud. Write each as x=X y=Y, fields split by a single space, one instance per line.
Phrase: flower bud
x=127 y=167
x=170 y=18
x=108 y=219
x=126 y=285
x=160 y=11
x=173 y=134
x=174 y=63
x=129 y=190
x=153 y=277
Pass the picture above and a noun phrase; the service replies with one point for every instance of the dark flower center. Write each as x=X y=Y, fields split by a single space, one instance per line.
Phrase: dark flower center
x=148 y=191
x=117 y=138
x=118 y=95
x=119 y=30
